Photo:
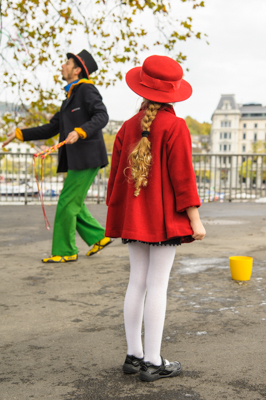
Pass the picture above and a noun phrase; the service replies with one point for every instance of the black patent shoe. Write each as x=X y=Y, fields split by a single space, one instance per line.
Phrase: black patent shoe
x=132 y=364
x=150 y=372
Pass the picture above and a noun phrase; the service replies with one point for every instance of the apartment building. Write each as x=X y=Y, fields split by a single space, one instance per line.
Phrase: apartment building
x=237 y=128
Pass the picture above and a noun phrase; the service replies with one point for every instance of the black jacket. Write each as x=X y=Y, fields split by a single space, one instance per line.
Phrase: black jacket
x=83 y=109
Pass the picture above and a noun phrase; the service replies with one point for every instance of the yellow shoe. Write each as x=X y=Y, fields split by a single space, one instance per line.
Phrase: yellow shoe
x=100 y=245
x=60 y=259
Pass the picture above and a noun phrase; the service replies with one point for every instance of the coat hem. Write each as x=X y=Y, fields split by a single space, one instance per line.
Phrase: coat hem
x=139 y=236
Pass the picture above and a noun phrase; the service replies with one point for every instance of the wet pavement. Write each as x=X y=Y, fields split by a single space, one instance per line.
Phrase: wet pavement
x=61 y=326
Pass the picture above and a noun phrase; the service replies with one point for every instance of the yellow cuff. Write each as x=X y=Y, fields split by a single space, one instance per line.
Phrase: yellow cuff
x=19 y=135
x=81 y=132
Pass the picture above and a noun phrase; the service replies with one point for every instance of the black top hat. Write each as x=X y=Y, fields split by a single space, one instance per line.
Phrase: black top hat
x=85 y=61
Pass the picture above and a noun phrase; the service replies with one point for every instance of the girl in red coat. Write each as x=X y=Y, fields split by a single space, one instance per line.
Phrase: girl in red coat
x=153 y=206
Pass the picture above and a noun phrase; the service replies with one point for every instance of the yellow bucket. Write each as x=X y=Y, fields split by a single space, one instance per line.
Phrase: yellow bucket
x=241 y=268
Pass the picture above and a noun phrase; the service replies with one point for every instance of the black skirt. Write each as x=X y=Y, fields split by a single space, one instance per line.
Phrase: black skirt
x=169 y=242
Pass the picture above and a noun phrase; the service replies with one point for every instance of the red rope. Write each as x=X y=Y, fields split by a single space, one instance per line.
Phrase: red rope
x=43 y=154
x=40 y=191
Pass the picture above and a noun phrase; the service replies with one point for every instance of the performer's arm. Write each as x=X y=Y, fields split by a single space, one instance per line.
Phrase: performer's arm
x=37 y=133
x=41 y=132
x=96 y=109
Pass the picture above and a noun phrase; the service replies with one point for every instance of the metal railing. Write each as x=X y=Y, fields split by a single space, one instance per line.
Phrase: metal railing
x=18 y=182
x=220 y=177
x=230 y=176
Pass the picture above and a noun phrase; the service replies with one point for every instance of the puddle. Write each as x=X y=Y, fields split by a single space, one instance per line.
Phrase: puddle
x=195 y=265
x=223 y=222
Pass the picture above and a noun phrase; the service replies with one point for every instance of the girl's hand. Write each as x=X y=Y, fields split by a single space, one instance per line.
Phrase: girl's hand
x=198 y=230
x=195 y=223
x=11 y=136
x=72 y=137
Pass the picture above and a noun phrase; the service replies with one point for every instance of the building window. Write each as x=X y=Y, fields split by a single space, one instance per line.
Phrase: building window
x=225 y=147
x=27 y=150
x=255 y=125
x=244 y=125
x=222 y=124
x=255 y=137
x=244 y=148
x=224 y=160
x=226 y=105
x=226 y=124
x=244 y=136
x=229 y=147
x=221 y=135
x=220 y=147
x=229 y=135
x=225 y=135
x=18 y=150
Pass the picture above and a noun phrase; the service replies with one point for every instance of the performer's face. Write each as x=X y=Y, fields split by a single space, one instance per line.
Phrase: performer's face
x=69 y=71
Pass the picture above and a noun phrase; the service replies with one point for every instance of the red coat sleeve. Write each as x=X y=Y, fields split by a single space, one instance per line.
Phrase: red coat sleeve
x=115 y=163
x=180 y=167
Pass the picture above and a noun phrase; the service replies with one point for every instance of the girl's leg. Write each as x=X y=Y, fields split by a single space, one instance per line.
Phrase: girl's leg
x=134 y=300
x=160 y=264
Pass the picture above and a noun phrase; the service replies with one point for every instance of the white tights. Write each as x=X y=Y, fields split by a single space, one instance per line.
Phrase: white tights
x=150 y=268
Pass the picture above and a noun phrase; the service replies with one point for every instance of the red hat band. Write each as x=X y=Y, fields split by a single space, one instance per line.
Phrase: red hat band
x=82 y=62
x=158 y=84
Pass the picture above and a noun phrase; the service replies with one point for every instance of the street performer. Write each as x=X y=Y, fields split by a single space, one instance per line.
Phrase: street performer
x=79 y=121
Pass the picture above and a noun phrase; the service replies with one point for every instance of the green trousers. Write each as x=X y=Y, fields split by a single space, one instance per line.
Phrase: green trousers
x=72 y=214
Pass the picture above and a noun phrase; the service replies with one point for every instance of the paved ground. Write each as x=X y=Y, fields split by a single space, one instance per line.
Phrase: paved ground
x=61 y=327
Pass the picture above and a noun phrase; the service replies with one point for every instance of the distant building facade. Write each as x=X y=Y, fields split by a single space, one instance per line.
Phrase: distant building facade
x=10 y=108
x=237 y=128
x=200 y=143
x=20 y=147
x=113 y=127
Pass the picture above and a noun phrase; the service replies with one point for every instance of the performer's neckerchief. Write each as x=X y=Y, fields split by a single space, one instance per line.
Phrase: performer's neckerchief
x=68 y=86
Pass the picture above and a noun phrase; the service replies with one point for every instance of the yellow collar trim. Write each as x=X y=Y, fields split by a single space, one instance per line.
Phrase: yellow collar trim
x=78 y=83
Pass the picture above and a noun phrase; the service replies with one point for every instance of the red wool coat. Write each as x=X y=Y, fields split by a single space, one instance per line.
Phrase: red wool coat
x=158 y=213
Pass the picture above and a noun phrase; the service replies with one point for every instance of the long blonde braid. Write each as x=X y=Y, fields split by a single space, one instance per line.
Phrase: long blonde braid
x=140 y=158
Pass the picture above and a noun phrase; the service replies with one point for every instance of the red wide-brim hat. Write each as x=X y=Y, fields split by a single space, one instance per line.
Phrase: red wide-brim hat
x=159 y=80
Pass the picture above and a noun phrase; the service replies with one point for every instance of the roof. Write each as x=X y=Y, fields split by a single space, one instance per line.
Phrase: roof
x=249 y=110
x=253 y=110
x=229 y=98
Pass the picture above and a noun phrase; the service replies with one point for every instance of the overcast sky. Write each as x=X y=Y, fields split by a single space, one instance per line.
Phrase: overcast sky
x=233 y=63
